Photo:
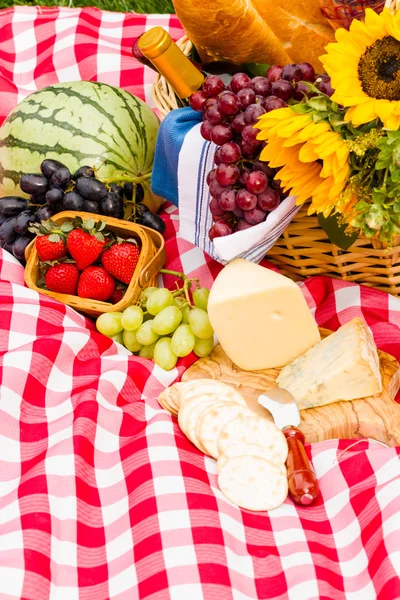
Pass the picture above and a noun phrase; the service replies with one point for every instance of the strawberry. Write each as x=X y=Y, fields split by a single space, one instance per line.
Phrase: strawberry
x=95 y=283
x=117 y=295
x=48 y=250
x=62 y=278
x=50 y=240
x=120 y=259
x=86 y=242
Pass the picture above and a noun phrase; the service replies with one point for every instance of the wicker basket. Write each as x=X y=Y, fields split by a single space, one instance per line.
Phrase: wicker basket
x=304 y=248
x=152 y=258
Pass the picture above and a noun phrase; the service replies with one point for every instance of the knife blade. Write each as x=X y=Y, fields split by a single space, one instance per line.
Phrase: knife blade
x=302 y=481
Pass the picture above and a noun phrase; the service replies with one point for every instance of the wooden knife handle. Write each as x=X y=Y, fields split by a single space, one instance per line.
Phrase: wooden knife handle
x=303 y=484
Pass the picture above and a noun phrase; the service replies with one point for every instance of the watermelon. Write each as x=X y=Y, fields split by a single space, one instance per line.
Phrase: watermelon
x=78 y=123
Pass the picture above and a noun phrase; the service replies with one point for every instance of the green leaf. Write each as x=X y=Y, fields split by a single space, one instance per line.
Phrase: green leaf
x=336 y=232
x=256 y=69
x=320 y=116
x=54 y=237
x=382 y=164
x=395 y=174
x=319 y=103
x=378 y=197
x=101 y=225
x=89 y=224
x=393 y=135
x=394 y=192
x=67 y=226
x=368 y=232
x=362 y=206
x=99 y=236
x=300 y=109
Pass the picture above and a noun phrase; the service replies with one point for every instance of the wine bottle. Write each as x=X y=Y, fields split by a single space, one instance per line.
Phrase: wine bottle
x=138 y=54
x=157 y=46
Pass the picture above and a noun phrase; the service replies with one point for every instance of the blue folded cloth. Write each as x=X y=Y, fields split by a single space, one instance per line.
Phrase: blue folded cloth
x=172 y=132
x=183 y=159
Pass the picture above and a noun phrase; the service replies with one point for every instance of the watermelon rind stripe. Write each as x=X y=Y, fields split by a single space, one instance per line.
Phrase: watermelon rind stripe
x=141 y=128
x=11 y=142
x=87 y=100
x=60 y=149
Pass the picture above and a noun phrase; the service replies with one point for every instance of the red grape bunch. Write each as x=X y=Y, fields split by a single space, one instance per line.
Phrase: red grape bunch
x=243 y=189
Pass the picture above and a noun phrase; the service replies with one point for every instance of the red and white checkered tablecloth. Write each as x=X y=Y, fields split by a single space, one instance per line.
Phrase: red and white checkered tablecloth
x=101 y=495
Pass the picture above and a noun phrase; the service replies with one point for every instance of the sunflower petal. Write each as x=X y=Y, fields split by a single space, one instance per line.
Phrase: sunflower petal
x=374 y=24
x=362 y=113
x=385 y=108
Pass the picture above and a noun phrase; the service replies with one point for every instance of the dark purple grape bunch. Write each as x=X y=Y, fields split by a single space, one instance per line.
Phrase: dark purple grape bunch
x=15 y=218
x=55 y=190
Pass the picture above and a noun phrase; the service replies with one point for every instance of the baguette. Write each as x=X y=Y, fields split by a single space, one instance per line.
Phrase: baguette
x=262 y=31
x=229 y=30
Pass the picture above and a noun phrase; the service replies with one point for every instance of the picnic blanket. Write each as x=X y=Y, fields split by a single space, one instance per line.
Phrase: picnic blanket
x=101 y=494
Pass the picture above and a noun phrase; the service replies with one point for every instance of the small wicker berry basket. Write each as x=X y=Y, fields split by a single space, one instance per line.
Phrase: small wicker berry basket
x=151 y=260
x=304 y=249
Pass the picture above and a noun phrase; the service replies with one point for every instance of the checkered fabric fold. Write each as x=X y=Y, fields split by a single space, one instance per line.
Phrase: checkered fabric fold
x=101 y=494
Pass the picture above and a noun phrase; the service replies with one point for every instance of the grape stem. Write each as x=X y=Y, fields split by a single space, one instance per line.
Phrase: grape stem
x=175 y=273
x=187 y=283
x=120 y=178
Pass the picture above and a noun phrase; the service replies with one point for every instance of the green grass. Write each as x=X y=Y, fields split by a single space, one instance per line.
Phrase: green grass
x=140 y=6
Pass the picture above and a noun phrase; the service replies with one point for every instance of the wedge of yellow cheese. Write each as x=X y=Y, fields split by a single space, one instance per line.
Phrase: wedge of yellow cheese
x=260 y=317
x=344 y=366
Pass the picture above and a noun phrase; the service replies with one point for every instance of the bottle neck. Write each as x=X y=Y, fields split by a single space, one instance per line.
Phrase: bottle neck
x=157 y=46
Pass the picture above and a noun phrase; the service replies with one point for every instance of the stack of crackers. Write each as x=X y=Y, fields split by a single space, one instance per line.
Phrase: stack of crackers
x=251 y=451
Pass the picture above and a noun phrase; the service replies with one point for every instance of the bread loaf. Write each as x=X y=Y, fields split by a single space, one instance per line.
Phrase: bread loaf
x=262 y=31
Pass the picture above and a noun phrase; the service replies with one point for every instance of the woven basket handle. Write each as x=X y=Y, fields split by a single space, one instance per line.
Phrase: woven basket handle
x=152 y=268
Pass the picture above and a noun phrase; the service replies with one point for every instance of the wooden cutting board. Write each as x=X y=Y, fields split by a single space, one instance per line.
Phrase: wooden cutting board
x=376 y=417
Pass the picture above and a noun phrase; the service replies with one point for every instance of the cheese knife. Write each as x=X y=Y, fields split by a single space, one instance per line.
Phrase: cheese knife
x=302 y=481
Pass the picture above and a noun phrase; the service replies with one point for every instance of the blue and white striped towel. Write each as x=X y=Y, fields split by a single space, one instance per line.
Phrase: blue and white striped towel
x=182 y=161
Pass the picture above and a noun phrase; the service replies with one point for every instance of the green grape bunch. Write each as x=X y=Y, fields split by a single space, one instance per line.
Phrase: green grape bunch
x=164 y=325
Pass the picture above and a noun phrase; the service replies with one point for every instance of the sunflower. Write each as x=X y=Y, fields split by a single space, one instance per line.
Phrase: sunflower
x=314 y=159
x=364 y=67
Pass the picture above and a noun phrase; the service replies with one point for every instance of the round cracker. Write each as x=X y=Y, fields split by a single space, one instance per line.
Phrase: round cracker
x=198 y=422
x=193 y=420
x=189 y=414
x=187 y=421
x=195 y=387
x=253 y=430
x=252 y=482
x=241 y=449
x=169 y=399
x=213 y=419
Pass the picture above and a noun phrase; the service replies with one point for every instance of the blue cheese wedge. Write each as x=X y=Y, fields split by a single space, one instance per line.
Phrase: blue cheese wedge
x=343 y=366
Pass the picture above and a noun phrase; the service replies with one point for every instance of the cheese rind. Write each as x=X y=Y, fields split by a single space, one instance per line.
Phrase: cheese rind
x=260 y=317
x=343 y=366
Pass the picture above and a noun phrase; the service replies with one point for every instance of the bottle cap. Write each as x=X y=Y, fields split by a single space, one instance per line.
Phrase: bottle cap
x=154 y=42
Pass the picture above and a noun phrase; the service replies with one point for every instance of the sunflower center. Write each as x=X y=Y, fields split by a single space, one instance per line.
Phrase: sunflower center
x=379 y=69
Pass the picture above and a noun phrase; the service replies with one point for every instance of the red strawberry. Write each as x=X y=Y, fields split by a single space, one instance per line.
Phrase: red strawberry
x=62 y=278
x=95 y=283
x=117 y=295
x=121 y=259
x=86 y=242
x=48 y=250
x=50 y=241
